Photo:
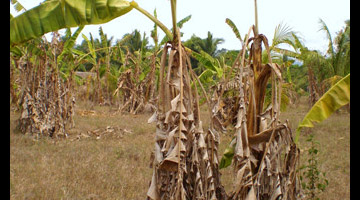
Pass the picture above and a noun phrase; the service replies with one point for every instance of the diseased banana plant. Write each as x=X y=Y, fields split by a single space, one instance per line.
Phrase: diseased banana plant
x=185 y=158
x=136 y=83
x=47 y=101
x=263 y=152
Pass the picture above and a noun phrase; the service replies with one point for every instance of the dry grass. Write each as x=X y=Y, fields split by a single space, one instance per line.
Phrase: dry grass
x=89 y=168
x=333 y=135
x=118 y=167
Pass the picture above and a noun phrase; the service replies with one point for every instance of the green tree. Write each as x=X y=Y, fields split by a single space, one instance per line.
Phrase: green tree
x=136 y=41
x=207 y=45
x=338 y=49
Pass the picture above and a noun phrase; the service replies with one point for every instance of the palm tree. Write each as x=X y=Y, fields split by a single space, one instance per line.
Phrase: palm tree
x=209 y=44
x=342 y=42
x=338 y=49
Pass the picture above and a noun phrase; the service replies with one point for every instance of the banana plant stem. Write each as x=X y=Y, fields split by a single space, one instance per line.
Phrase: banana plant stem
x=173 y=14
x=256 y=19
x=152 y=18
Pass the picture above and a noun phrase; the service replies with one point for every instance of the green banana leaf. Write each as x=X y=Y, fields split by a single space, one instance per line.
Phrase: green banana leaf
x=54 y=15
x=180 y=25
x=234 y=28
x=336 y=97
x=209 y=62
x=90 y=45
x=69 y=44
x=226 y=159
x=17 y=6
x=206 y=76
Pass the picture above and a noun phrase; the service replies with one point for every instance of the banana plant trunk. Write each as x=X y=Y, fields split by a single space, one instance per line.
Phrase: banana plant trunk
x=313 y=89
x=98 y=83
x=14 y=98
x=259 y=81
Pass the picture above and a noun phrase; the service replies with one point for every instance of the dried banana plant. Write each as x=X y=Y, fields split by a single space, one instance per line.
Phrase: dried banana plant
x=132 y=94
x=135 y=95
x=263 y=151
x=47 y=105
x=149 y=83
x=185 y=158
x=138 y=94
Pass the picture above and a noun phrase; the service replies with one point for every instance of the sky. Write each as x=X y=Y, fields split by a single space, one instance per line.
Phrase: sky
x=209 y=15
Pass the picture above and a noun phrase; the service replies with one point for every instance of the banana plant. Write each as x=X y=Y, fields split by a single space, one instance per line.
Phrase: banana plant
x=54 y=15
x=214 y=65
x=214 y=70
x=186 y=147
x=92 y=58
x=256 y=141
x=106 y=44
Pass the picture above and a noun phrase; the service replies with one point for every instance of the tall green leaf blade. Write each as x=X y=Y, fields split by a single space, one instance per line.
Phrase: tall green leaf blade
x=103 y=38
x=183 y=21
x=286 y=52
x=234 y=28
x=54 y=15
x=336 y=97
x=91 y=46
x=325 y=28
x=228 y=155
x=70 y=43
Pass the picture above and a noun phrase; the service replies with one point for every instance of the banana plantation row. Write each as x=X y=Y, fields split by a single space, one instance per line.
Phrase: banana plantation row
x=125 y=72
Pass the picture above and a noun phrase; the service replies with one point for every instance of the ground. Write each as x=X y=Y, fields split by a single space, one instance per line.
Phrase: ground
x=107 y=156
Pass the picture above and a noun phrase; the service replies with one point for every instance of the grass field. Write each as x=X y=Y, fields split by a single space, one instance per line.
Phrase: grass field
x=107 y=156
